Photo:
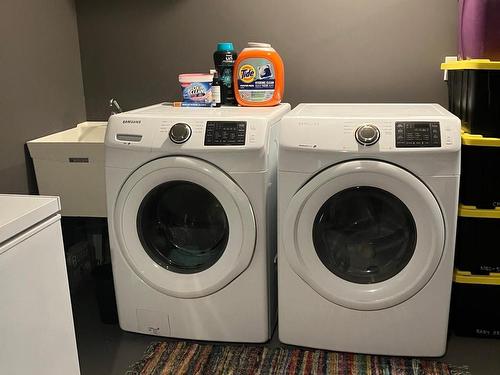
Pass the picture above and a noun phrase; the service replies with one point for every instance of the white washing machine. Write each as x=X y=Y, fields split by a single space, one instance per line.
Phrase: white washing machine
x=191 y=198
x=367 y=210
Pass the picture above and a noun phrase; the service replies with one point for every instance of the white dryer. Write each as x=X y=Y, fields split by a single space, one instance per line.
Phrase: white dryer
x=367 y=210
x=191 y=210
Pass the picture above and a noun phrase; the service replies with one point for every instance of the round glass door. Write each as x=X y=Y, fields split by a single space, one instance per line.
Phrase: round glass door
x=364 y=234
x=182 y=226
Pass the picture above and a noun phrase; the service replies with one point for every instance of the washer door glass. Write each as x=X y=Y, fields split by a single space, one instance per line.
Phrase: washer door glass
x=182 y=226
x=364 y=235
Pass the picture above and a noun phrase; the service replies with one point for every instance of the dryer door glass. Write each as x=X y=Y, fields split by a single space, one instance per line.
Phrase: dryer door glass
x=182 y=227
x=364 y=235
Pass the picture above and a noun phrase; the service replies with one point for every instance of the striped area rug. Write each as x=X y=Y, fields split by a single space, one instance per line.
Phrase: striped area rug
x=177 y=358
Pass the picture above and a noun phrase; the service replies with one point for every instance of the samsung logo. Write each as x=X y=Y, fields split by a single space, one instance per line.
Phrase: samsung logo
x=308 y=123
x=131 y=121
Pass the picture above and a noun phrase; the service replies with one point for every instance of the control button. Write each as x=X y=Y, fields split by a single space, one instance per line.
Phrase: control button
x=179 y=133
x=367 y=135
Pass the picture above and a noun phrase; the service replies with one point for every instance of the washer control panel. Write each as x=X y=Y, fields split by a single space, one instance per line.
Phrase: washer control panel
x=418 y=134
x=225 y=133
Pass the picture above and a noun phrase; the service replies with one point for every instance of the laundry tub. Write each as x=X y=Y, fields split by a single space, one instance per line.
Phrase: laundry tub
x=70 y=164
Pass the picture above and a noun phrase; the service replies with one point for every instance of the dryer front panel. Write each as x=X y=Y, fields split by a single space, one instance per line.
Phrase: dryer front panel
x=184 y=226
x=364 y=234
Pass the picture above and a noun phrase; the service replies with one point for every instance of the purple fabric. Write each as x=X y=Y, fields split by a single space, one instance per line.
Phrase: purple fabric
x=479 y=29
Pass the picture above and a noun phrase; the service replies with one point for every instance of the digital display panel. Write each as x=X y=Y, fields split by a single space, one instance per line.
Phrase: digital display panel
x=418 y=134
x=225 y=133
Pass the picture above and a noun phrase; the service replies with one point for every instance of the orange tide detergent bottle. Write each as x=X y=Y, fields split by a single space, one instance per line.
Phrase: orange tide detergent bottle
x=259 y=76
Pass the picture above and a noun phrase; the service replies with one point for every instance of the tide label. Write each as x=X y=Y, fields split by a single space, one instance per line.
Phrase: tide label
x=256 y=79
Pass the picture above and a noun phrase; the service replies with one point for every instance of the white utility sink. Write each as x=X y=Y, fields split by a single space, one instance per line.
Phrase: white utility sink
x=70 y=164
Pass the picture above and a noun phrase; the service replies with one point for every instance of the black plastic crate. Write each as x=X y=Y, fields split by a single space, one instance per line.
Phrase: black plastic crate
x=477 y=245
x=475 y=305
x=479 y=179
x=474 y=94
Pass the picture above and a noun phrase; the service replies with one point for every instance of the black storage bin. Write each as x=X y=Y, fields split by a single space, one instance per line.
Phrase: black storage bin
x=475 y=305
x=478 y=245
x=474 y=94
x=105 y=294
x=479 y=179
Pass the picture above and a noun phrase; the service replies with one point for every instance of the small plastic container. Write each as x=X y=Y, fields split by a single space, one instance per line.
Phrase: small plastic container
x=478 y=245
x=475 y=305
x=479 y=179
x=259 y=76
x=196 y=87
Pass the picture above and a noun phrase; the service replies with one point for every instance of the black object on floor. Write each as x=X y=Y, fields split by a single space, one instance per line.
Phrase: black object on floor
x=105 y=294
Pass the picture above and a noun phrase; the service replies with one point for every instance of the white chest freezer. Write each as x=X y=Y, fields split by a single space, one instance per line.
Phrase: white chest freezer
x=70 y=164
x=37 y=334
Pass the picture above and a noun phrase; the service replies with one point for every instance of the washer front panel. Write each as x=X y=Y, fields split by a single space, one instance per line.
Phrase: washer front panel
x=297 y=234
x=240 y=242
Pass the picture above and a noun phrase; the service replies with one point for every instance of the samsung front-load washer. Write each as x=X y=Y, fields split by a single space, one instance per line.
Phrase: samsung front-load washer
x=367 y=210
x=191 y=213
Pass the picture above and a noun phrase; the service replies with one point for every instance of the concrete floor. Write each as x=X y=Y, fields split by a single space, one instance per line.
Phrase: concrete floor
x=107 y=350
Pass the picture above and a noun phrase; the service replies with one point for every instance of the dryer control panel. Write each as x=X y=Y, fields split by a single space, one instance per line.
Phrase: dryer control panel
x=418 y=134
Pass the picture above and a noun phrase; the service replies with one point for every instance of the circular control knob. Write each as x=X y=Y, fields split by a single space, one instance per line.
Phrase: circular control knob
x=179 y=133
x=367 y=135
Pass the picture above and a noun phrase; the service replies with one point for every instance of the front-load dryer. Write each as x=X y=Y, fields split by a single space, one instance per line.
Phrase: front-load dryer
x=367 y=211
x=191 y=195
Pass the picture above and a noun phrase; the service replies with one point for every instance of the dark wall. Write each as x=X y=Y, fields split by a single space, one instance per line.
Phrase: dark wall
x=334 y=50
x=40 y=81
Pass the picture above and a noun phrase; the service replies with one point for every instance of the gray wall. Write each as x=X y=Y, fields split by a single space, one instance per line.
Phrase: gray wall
x=334 y=50
x=40 y=81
